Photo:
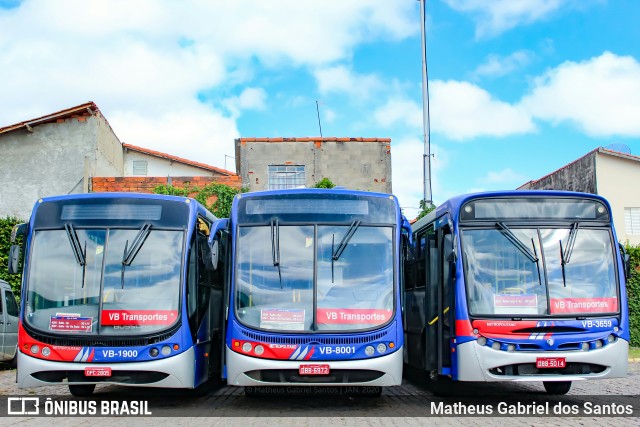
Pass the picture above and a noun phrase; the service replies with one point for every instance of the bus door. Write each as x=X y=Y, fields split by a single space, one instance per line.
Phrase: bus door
x=439 y=300
x=415 y=296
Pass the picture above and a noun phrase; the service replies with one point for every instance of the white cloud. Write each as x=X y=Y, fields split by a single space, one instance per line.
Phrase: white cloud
x=399 y=111
x=152 y=61
x=341 y=79
x=407 y=166
x=496 y=65
x=497 y=16
x=600 y=95
x=505 y=178
x=250 y=99
x=461 y=110
x=195 y=132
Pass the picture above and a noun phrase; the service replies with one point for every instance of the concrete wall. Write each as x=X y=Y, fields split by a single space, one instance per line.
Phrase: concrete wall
x=576 y=176
x=157 y=166
x=51 y=160
x=109 y=158
x=618 y=179
x=355 y=163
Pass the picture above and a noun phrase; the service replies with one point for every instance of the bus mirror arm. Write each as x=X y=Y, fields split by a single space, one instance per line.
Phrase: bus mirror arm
x=626 y=261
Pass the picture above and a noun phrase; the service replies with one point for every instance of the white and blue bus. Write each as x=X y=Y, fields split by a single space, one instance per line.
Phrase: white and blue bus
x=517 y=286
x=118 y=288
x=314 y=295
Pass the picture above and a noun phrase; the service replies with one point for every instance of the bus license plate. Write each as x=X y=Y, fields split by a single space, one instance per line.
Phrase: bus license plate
x=97 y=372
x=550 y=362
x=313 y=370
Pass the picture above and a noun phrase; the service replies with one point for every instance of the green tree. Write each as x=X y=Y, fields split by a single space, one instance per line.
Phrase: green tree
x=220 y=207
x=15 y=280
x=324 y=183
x=633 y=294
x=425 y=208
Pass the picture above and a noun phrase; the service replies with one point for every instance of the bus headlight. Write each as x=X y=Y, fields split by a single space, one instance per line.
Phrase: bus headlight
x=46 y=351
x=511 y=347
x=611 y=338
x=495 y=345
x=166 y=350
x=369 y=350
x=598 y=343
x=246 y=347
x=585 y=346
x=382 y=348
x=35 y=349
x=153 y=352
x=482 y=341
x=259 y=350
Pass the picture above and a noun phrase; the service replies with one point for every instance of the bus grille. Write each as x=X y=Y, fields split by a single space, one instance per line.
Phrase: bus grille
x=97 y=341
x=274 y=339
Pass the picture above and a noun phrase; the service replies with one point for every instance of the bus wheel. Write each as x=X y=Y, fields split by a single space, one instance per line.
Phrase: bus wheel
x=557 y=387
x=82 y=390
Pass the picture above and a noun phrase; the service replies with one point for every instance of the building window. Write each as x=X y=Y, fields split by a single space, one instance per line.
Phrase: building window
x=286 y=176
x=140 y=167
x=632 y=221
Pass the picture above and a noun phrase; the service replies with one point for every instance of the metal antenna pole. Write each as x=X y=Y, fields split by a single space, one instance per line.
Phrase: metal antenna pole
x=425 y=110
x=318 y=111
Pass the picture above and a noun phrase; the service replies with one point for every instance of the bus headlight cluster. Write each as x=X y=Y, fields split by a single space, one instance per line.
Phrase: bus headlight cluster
x=246 y=347
x=258 y=350
x=496 y=345
x=153 y=352
x=585 y=346
x=511 y=347
x=46 y=351
x=611 y=338
x=382 y=348
x=369 y=350
x=35 y=349
x=482 y=341
x=166 y=350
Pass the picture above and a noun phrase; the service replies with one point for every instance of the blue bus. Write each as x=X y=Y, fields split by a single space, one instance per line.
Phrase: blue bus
x=517 y=286
x=118 y=288
x=314 y=295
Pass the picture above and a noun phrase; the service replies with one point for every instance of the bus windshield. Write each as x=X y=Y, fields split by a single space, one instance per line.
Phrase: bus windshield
x=545 y=272
x=102 y=295
x=327 y=277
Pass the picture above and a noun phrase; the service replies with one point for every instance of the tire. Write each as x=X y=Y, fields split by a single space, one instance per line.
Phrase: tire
x=557 y=387
x=82 y=390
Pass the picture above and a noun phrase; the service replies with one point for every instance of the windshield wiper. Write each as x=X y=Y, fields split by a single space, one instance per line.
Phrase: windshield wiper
x=345 y=240
x=81 y=256
x=335 y=253
x=506 y=231
x=565 y=254
x=130 y=252
x=275 y=246
x=571 y=242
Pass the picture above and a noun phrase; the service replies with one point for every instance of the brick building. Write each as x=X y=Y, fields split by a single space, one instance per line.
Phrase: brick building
x=275 y=163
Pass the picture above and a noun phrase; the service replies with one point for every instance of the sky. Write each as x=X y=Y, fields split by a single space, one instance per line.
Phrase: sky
x=517 y=88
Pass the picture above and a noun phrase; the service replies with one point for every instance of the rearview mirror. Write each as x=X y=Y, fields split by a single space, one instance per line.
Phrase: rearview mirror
x=214 y=254
x=14 y=258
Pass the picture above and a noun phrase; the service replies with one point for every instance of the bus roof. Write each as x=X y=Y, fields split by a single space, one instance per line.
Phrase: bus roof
x=453 y=204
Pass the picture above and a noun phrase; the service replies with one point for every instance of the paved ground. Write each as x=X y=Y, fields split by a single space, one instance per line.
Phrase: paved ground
x=409 y=404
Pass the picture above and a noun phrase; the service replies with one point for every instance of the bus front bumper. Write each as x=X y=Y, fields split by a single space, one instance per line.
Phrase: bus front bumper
x=245 y=370
x=482 y=363
x=171 y=372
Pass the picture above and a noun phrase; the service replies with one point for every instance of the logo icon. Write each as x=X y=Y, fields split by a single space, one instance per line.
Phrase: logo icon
x=23 y=405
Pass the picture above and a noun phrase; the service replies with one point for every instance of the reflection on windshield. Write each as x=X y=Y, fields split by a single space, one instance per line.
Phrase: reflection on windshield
x=57 y=301
x=354 y=292
x=503 y=280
